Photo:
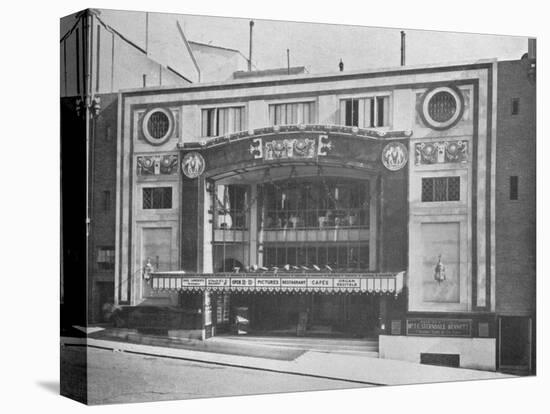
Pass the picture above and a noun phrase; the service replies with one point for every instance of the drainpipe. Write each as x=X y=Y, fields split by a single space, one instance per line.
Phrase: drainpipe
x=87 y=20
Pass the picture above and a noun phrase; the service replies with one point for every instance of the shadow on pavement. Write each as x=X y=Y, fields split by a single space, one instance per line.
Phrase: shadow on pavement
x=51 y=386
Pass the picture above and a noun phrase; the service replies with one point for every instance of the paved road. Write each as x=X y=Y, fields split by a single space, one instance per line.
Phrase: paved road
x=116 y=377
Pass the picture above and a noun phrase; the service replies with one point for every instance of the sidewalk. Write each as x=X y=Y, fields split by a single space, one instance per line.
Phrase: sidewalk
x=351 y=368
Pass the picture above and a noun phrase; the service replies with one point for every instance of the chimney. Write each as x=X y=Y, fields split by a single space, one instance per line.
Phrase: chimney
x=341 y=65
x=250 y=47
x=147 y=34
x=403 y=48
x=288 y=61
x=532 y=48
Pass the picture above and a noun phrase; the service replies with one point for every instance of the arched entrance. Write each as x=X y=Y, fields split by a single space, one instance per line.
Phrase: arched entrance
x=291 y=218
x=280 y=232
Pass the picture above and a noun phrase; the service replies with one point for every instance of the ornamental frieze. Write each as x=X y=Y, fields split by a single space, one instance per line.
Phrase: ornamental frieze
x=427 y=153
x=290 y=148
x=148 y=165
x=282 y=129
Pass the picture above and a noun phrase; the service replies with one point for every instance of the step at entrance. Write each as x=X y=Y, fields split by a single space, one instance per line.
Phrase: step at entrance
x=364 y=347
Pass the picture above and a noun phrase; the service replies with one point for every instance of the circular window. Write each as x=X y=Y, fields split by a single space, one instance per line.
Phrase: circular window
x=442 y=107
x=157 y=126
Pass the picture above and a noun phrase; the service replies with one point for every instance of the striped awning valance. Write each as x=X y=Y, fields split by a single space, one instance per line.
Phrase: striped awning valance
x=373 y=283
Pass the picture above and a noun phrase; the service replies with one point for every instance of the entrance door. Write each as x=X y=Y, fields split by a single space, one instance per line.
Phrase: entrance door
x=327 y=309
x=156 y=248
x=515 y=344
x=346 y=314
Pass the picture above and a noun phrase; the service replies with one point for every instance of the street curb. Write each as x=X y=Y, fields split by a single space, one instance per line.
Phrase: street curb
x=226 y=364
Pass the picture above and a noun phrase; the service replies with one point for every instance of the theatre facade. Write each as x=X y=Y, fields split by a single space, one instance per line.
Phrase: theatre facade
x=355 y=204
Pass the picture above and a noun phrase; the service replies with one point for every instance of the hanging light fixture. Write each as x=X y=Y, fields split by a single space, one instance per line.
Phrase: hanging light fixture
x=439 y=271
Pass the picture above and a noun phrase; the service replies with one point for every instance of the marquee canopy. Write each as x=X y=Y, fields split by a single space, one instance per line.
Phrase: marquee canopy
x=370 y=283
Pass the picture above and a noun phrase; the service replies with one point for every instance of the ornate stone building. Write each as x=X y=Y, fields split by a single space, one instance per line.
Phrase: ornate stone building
x=359 y=204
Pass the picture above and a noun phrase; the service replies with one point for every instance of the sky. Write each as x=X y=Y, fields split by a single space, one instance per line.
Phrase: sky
x=317 y=46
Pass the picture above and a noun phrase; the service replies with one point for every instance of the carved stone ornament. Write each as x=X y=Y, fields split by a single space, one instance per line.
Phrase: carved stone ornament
x=441 y=152
x=157 y=165
x=290 y=148
x=193 y=164
x=395 y=156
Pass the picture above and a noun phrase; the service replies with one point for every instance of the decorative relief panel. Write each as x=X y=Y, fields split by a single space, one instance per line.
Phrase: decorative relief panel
x=290 y=148
x=148 y=165
x=441 y=152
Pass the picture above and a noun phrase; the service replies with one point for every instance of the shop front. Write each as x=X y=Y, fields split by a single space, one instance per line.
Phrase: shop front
x=331 y=305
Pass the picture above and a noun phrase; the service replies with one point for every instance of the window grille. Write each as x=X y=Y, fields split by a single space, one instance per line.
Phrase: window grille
x=315 y=204
x=157 y=198
x=442 y=106
x=158 y=125
x=440 y=189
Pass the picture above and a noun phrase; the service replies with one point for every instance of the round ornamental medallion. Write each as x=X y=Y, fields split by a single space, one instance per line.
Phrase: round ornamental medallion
x=394 y=156
x=193 y=164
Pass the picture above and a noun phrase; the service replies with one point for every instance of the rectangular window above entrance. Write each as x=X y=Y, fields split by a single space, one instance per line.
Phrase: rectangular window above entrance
x=369 y=112
x=292 y=113
x=222 y=121
x=157 y=198
x=231 y=207
x=315 y=204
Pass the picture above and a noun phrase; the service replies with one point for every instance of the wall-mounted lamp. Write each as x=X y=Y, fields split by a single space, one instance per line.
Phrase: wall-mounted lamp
x=210 y=186
x=93 y=104
x=148 y=269
x=439 y=271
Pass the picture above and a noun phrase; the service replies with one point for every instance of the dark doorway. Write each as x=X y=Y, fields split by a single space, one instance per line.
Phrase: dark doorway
x=320 y=315
x=515 y=344
x=444 y=360
x=105 y=295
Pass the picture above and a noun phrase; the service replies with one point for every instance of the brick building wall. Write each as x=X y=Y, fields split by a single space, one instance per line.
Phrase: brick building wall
x=103 y=173
x=515 y=219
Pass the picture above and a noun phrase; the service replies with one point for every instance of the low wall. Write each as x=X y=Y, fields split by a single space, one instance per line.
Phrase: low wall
x=475 y=353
